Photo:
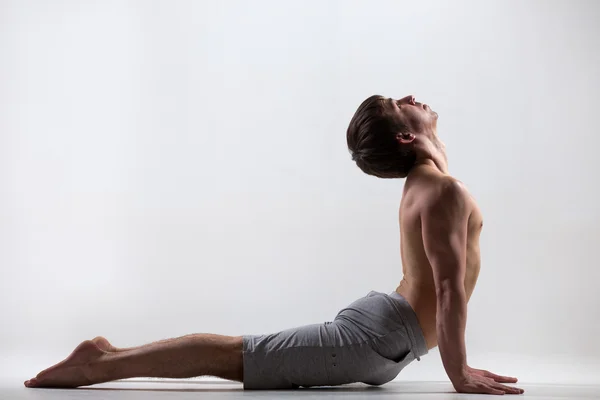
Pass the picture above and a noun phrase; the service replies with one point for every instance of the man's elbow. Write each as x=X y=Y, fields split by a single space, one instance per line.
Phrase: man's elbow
x=449 y=292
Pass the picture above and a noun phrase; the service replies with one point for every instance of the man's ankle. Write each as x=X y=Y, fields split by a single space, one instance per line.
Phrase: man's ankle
x=103 y=369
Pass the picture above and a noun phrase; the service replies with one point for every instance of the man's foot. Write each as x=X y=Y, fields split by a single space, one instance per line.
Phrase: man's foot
x=72 y=372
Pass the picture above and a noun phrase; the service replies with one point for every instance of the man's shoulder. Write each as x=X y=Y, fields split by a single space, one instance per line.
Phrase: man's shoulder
x=445 y=191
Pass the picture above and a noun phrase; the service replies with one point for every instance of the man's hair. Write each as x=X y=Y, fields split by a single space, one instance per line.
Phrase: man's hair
x=372 y=142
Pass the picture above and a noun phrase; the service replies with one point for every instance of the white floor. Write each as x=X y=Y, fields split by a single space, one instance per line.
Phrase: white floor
x=184 y=390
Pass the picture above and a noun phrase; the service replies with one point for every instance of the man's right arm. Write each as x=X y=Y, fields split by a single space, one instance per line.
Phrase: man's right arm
x=444 y=224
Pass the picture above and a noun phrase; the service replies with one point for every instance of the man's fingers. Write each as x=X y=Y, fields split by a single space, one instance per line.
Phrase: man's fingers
x=500 y=378
x=490 y=390
x=504 y=379
x=508 y=389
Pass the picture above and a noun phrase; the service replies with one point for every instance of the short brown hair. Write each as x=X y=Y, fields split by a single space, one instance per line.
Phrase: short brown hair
x=371 y=138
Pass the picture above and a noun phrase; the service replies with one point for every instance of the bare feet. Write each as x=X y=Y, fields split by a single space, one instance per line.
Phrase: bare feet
x=74 y=371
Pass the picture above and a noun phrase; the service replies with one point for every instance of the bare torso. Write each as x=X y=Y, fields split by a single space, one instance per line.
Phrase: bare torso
x=417 y=285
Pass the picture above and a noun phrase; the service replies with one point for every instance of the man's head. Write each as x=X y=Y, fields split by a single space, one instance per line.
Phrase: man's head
x=386 y=137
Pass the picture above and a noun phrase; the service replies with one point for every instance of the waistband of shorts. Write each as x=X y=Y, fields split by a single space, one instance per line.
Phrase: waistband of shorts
x=419 y=346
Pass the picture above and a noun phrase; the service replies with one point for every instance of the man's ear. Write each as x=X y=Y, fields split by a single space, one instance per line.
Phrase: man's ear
x=405 y=138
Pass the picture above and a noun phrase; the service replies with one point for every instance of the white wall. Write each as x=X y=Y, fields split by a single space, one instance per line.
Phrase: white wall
x=177 y=167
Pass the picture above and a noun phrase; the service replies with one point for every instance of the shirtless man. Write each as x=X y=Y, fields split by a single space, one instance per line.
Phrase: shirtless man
x=376 y=336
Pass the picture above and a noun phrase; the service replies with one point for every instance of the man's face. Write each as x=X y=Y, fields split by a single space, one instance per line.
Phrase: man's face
x=419 y=117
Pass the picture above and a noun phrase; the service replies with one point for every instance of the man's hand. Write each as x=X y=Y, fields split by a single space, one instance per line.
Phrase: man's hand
x=481 y=381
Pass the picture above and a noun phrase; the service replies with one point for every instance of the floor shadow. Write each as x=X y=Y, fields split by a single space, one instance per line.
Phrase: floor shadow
x=240 y=389
x=312 y=390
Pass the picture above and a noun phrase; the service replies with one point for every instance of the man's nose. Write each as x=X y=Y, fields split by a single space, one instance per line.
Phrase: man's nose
x=410 y=99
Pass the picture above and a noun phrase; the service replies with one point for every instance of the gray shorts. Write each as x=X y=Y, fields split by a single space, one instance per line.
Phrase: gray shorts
x=369 y=341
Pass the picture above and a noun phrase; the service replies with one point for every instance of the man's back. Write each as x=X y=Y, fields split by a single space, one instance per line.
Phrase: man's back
x=417 y=286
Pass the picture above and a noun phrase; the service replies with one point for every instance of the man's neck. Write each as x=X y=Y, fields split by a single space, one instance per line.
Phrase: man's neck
x=438 y=163
x=434 y=156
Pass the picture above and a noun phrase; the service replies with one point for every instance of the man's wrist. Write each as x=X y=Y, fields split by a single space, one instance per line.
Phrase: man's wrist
x=458 y=374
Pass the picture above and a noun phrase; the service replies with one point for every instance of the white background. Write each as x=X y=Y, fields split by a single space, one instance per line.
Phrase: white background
x=170 y=167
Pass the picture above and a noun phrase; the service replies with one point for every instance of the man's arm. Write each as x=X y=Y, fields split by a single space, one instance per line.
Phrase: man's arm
x=444 y=224
x=444 y=227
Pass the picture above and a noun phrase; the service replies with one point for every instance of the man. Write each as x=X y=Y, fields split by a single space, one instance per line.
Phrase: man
x=375 y=337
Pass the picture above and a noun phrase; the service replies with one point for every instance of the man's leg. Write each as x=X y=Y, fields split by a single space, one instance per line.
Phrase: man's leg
x=105 y=345
x=96 y=361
